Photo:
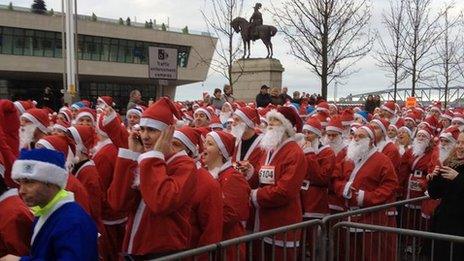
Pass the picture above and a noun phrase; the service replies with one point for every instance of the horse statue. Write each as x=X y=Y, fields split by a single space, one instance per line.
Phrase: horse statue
x=263 y=32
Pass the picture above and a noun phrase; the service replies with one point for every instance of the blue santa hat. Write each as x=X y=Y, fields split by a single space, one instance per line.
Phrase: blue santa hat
x=78 y=105
x=310 y=110
x=44 y=165
x=364 y=115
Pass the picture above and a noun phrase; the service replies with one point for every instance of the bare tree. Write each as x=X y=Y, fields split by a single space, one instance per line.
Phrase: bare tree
x=218 y=21
x=330 y=36
x=423 y=32
x=390 y=56
x=450 y=52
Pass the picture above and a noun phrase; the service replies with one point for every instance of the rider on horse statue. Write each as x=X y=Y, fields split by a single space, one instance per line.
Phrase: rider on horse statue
x=256 y=20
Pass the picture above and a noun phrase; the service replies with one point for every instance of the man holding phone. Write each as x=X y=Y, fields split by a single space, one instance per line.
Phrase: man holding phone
x=154 y=186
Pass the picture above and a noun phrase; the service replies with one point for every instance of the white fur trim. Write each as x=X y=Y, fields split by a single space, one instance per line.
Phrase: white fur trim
x=108 y=118
x=458 y=119
x=333 y=128
x=347 y=123
x=60 y=127
x=9 y=193
x=448 y=136
x=40 y=171
x=424 y=132
x=383 y=107
x=152 y=123
x=407 y=130
x=77 y=138
x=312 y=129
x=220 y=144
x=46 y=144
x=34 y=121
x=360 y=198
x=205 y=111
x=285 y=122
x=19 y=107
x=133 y=111
x=84 y=114
x=128 y=154
x=186 y=141
x=216 y=126
x=381 y=126
x=347 y=190
x=446 y=116
x=151 y=154
x=369 y=132
x=244 y=118
x=254 y=197
x=2 y=171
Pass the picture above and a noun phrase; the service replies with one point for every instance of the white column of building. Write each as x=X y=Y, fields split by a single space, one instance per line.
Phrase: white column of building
x=70 y=47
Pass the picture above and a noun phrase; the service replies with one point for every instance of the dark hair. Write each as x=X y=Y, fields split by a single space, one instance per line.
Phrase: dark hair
x=217 y=90
x=3 y=186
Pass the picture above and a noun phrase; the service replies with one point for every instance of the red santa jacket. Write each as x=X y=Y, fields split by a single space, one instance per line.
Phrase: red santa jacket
x=277 y=200
x=314 y=192
x=389 y=149
x=87 y=174
x=206 y=215
x=413 y=172
x=15 y=224
x=7 y=139
x=9 y=120
x=104 y=159
x=253 y=155
x=115 y=130
x=157 y=200
x=375 y=181
x=80 y=193
x=328 y=162
x=236 y=200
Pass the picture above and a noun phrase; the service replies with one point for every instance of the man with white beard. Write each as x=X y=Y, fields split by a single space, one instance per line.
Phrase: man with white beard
x=34 y=126
x=448 y=141
x=333 y=138
x=368 y=179
x=417 y=163
x=281 y=172
x=247 y=151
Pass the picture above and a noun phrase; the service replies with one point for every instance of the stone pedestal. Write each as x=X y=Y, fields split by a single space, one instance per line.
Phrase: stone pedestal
x=250 y=74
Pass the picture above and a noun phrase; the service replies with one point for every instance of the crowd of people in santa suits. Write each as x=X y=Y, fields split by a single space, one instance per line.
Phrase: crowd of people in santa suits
x=170 y=178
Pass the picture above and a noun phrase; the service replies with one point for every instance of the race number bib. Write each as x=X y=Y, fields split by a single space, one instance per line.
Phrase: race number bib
x=415 y=185
x=267 y=175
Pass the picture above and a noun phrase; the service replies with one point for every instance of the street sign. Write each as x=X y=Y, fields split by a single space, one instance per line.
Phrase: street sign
x=162 y=63
x=411 y=102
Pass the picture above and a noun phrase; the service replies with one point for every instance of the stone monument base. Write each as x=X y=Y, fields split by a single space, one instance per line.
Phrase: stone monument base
x=249 y=75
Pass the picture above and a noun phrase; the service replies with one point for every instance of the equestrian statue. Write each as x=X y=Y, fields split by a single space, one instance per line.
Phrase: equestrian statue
x=254 y=30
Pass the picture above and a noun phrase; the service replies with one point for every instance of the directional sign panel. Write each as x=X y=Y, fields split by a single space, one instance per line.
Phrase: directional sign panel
x=162 y=63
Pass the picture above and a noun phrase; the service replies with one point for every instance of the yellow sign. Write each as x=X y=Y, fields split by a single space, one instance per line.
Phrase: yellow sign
x=72 y=90
x=411 y=102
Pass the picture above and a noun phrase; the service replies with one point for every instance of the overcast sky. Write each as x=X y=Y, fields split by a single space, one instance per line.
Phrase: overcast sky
x=187 y=12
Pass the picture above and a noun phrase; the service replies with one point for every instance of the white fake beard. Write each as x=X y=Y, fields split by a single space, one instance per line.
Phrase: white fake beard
x=272 y=138
x=358 y=150
x=26 y=135
x=336 y=145
x=445 y=152
x=401 y=149
x=238 y=130
x=224 y=116
x=418 y=147
x=313 y=145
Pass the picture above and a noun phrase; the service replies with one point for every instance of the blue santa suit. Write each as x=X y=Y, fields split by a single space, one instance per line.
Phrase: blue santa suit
x=67 y=232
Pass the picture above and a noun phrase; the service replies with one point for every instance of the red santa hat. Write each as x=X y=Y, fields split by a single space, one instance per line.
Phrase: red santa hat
x=59 y=143
x=347 y=117
x=61 y=125
x=239 y=104
x=205 y=111
x=23 y=106
x=448 y=114
x=191 y=138
x=225 y=141
x=137 y=110
x=84 y=137
x=67 y=113
x=431 y=122
x=107 y=100
x=39 y=118
x=215 y=123
x=313 y=125
x=451 y=133
x=427 y=131
x=289 y=118
x=458 y=117
x=389 y=106
x=323 y=118
x=399 y=123
x=411 y=117
x=86 y=112
x=160 y=115
x=436 y=106
x=322 y=107
x=382 y=124
x=335 y=124
x=370 y=132
x=249 y=116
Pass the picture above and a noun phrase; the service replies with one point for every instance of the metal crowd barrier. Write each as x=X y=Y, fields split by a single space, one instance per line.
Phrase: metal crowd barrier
x=324 y=239
x=440 y=246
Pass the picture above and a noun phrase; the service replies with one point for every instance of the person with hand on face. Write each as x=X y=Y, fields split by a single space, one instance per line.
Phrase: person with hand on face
x=446 y=183
x=133 y=117
x=368 y=179
x=62 y=229
x=217 y=155
x=157 y=225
